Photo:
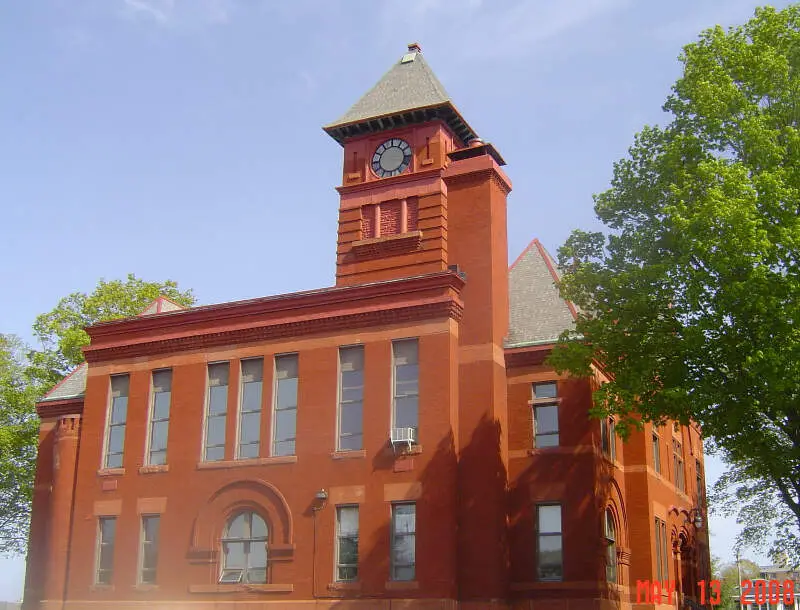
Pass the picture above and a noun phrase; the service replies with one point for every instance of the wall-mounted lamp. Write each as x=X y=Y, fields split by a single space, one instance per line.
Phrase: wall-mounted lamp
x=321 y=495
x=320 y=500
x=695 y=518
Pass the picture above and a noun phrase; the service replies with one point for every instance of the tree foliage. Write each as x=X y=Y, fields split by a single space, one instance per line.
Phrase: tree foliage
x=25 y=375
x=689 y=300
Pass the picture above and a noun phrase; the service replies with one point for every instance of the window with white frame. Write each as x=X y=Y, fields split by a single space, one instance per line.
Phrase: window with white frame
x=656 y=453
x=404 y=541
x=159 y=417
x=608 y=437
x=117 y=416
x=250 y=408
x=216 y=411
x=351 y=398
x=106 y=534
x=545 y=414
x=148 y=561
x=662 y=565
x=549 y=544
x=346 y=543
x=285 y=417
x=677 y=466
x=610 y=532
x=405 y=380
x=244 y=549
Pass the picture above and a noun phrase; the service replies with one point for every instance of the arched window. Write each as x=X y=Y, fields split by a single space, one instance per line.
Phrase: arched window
x=611 y=544
x=244 y=550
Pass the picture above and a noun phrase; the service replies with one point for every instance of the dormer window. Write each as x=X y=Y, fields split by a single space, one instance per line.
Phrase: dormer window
x=387 y=218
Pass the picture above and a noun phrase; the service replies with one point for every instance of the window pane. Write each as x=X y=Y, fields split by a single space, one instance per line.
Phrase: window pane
x=252 y=370
x=258 y=528
x=550 y=558
x=150 y=527
x=549 y=519
x=344 y=573
x=237 y=528
x=404 y=573
x=234 y=555
x=545 y=390
x=218 y=374
x=286 y=366
x=406 y=412
x=251 y=396
x=158 y=441
x=546 y=440
x=404 y=549
x=546 y=419
x=161 y=405
x=119 y=410
x=285 y=425
x=287 y=393
x=348 y=520
x=114 y=460
x=116 y=439
x=158 y=458
x=216 y=431
x=351 y=359
x=258 y=555
x=249 y=450
x=214 y=454
x=218 y=400
x=257 y=575
x=353 y=379
x=348 y=550
x=250 y=427
x=405 y=352
x=284 y=448
x=119 y=385
x=162 y=381
x=351 y=418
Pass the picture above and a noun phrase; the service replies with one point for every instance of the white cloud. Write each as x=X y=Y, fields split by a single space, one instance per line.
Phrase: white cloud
x=179 y=12
x=496 y=30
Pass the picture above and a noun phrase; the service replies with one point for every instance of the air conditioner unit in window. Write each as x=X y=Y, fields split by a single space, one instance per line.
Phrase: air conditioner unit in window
x=403 y=436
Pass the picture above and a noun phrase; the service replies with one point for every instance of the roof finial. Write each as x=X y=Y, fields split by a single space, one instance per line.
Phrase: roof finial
x=414 y=47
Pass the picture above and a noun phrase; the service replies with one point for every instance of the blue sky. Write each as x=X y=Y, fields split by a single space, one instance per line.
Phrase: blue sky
x=181 y=138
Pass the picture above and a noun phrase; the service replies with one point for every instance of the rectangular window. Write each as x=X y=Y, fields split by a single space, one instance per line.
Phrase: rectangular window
x=106 y=532
x=351 y=398
x=149 y=551
x=656 y=453
x=250 y=408
x=662 y=565
x=285 y=420
x=545 y=414
x=608 y=437
x=677 y=465
x=549 y=548
x=404 y=541
x=118 y=415
x=346 y=543
x=698 y=473
x=216 y=411
x=159 y=417
x=405 y=411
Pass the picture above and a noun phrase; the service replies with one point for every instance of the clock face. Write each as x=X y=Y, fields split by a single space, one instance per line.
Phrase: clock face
x=391 y=158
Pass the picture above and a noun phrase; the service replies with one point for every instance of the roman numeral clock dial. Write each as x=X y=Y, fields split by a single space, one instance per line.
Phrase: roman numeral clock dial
x=391 y=158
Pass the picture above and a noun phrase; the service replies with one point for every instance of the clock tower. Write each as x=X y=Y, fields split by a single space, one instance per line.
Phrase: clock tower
x=421 y=194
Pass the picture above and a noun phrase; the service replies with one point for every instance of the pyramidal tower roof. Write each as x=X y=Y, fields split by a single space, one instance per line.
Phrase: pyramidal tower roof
x=408 y=93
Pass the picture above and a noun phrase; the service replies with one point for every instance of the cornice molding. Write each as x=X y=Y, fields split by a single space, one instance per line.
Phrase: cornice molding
x=57 y=408
x=443 y=307
x=527 y=356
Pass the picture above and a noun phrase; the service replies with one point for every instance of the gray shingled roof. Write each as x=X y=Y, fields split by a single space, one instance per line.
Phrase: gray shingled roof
x=537 y=313
x=408 y=93
x=72 y=386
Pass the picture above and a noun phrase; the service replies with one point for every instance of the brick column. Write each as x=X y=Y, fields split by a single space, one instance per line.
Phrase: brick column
x=65 y=457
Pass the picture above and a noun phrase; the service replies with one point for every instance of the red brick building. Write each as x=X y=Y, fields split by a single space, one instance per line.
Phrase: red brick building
x=394 y=441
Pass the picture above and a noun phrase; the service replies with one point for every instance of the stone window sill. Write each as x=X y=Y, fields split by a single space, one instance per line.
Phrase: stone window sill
x=111 y=472
x=241 y=588
x=101 y=588
x=278 y=459
x=144 y=587
x=349 y=455
x=387 y=245
x=402 y=585
x=153 y=468
x=345 y=586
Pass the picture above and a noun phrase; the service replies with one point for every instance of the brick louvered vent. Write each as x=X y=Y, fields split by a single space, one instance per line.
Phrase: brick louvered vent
x=368 y=221
x=413 y=213
x=391 y=218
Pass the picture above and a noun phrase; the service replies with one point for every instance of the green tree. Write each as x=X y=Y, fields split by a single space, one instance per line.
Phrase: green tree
x=690 y=298
x=25 y=375
x=18 y=432
x=728 y=576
